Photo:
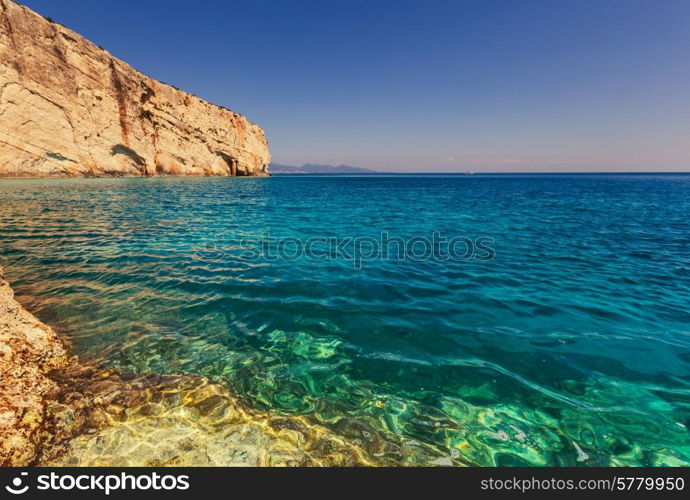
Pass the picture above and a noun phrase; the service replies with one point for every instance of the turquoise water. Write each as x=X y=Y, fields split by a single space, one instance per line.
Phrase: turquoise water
x=570 y=347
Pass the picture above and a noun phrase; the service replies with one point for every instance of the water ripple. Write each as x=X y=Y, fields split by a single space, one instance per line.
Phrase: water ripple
x=572 y=342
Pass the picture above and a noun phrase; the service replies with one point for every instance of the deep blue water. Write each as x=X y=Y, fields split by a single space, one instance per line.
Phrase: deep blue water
x=571 y=346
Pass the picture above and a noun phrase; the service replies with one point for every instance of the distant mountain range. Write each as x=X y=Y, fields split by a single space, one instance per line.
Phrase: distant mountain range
x=315 y=168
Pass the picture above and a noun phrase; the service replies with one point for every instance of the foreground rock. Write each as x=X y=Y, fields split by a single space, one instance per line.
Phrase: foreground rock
x=29 y=350
x=69 y=108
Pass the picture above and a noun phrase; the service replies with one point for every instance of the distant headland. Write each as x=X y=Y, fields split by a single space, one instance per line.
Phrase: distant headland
x=315 y=168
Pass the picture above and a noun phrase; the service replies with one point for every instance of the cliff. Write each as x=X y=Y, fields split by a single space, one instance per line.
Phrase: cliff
x=69 y=108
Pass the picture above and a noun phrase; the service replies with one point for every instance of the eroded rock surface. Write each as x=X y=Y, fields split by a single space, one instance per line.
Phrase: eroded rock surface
x=69 y=108
x=29 y=350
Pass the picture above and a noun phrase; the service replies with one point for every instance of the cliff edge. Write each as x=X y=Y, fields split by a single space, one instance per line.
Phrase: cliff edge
x=70 y=109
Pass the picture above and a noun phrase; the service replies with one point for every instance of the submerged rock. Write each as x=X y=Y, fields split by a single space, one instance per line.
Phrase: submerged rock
x=69 y=108
x=189 y=421
x=61 y=410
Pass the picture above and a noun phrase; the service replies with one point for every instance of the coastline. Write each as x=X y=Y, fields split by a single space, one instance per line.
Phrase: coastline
x=59 y=410
x=29 y=351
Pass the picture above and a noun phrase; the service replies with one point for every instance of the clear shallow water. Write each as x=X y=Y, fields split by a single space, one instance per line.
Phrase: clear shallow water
x=571 y=347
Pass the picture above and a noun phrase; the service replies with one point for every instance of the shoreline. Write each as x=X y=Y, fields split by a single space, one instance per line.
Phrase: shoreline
x=29 y=351
x=59 y=410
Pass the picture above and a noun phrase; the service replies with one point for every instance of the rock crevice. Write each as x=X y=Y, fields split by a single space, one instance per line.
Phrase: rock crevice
x=69 y=108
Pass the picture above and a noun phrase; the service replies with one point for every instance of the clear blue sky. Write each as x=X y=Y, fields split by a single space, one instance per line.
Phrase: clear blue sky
x=513 y=85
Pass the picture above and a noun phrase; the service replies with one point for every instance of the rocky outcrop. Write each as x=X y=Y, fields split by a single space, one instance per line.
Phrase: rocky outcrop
x=29 y=350
x=69 y=108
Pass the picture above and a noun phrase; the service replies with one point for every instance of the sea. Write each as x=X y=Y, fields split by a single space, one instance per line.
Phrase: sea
x=501 y=320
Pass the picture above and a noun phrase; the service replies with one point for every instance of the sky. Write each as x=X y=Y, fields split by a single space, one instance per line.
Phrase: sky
x=424 y=86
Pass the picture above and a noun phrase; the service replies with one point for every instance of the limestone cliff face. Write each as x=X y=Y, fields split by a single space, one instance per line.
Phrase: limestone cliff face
x=69 y=108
